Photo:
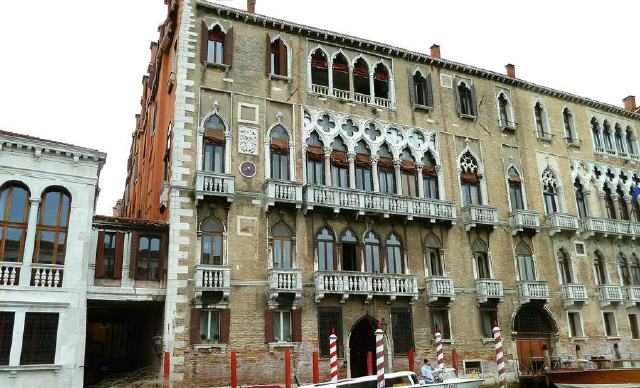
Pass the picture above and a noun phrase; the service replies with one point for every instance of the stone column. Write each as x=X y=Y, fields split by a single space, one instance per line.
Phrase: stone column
x=227 y=151
x=420 y=180
x=327 y=165
x=398 y=175
x=603 y=209
x=29 y=243
x=371 y=90
x=374 y=173
x=330 y=75
x=629 y=203
x=616 y=210
x=351 y=157
x=351 y=89
x=392 y=91
x=304 y=162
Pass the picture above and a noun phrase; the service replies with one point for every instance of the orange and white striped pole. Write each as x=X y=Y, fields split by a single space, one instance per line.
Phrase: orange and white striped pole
x=333 y=356
x=380 y=355
x=439 y=351
x=499 y=355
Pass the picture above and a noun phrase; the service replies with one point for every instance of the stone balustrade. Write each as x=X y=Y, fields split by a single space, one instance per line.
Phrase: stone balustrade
x=439 y=288
x=474 y=215
x=488 y=289
x=213 y=184
x=282 y=191
x=574 y=293
x=525 y=219
x=529 y=290
x=347 y=283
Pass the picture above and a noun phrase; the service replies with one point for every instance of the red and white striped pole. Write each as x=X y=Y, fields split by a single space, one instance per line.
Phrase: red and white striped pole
x=380 y=355
x=439 y=351
x=333 y=354
x=499 y=355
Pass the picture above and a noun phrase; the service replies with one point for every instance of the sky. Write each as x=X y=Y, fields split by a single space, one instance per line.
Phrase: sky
x=72 y=69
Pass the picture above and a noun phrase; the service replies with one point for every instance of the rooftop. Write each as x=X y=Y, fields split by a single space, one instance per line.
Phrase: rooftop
x=29 y=141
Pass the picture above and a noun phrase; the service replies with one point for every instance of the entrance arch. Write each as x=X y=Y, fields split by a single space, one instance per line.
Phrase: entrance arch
x=362 y=340
x=535 y=330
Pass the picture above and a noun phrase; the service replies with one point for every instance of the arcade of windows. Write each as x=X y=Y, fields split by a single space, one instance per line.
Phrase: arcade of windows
x=614 y=139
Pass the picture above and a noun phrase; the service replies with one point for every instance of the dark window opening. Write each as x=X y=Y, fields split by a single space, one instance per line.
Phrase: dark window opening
x=361 y=84
x=282 y=246
x=279 y=60
x=489 y=319
x=329 y=320
x=440 y=321
x=402 y=330
x=212 y=237
x=340 y=70
x=466 y=100
x=581 y=202
x=349 y=243
x=39 y=338
x=373 y=262
x=381 y=81
x=515 y=190
x=148 y=258
x=6 y=335
x=319 y=68
x=326 y=250
x=215 y=46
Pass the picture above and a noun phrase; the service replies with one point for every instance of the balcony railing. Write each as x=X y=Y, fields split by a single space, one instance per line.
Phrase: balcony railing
x=529 y=290
x=487 y=289
x=346 y=283
x=282 y=191
x=284 y=281
x=341 y=94
x=383 y=102
x=547 y=136
x=362 y=98
x=507 y=125
x=559 y=222
x=574 y=293
x=572 y=141
x=632 y=294
x=525 y=219
x=386 y=204
x=439 y=287
x=10 y=274
x=213 y=278
x=214 y=184
x=473 y=215
x=47 y=275
x=320 y=89
x=609 y=293
x=618 y=228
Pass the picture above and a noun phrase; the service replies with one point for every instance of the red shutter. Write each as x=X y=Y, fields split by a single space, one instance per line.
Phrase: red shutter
x=267 y=56
x=228 y=48
x=117 y=271
x=100 y=255
x=268 y=326
x=412 y=89
x=429 y=91
x=296 y=329
x=284 y=69
x=194 y=326
x=225 y=325
x=133 y=254
x=164 y=242
x=204 y=42
x=474 y=103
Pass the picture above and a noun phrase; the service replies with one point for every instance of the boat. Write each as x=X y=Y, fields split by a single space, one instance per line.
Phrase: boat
x=621 y=374
x=403 y=379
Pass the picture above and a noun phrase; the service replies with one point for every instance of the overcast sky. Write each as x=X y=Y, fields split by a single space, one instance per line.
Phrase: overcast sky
x=72 y=69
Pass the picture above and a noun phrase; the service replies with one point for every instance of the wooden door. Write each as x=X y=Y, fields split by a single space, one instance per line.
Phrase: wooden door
x=530 y=358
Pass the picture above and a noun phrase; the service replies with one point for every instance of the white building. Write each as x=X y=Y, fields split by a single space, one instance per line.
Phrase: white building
x=47 y=200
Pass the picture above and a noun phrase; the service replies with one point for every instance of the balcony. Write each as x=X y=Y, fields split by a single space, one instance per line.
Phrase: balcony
x=561 y=222
x=489 y=289
x=524 y=219
x=572 y=142
x=529 y=290
x=591 y=226
x=47 y=275
x=365 y=202
x=574 y=294
x=474 y=215
x=213 y=184
x=609 y=293
x=10 y=274
x=439 y=289
x=213 y=278
x=284 y=282
x=633 y=295
x=277 y=191
x=345 y=283
x=360 y=98
x=507 y=125
x=546 y=136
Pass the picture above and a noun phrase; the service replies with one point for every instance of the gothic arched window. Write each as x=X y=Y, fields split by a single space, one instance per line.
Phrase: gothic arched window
x=349 y=245
x=211 y=247
x=282 y=244
x=372 y=252
x=279 y=153
x=581 y=202
x=481 y=257
x=470 y=180
x=325 y=241
x=515 y=190
x=550 y=191
x=395 y=264
x=430 y=176
x=214 y=144
x=600 y=270
x=565 y=267
x=434 y=256
x=526 y=266
x=319 y=68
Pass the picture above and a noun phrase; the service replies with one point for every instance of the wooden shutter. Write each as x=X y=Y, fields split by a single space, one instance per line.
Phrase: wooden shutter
x=474 y=103
x=268 y=326
x=228 y=48
x=429 y=91
x=225 y=325
x=164 y=242
x=204 y=41
x=267 y=56
x=296 y=325
x=194 y=326
x=133 y=254
x=412 y=88
x=283 y=59
x=456 y=92
x=117 y=271
x=100 y=255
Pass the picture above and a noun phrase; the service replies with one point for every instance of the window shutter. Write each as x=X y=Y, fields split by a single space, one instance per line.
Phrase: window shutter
x=284 y=69
x=204 y=42
x=296 y=329
x=100 y=255
x=268 y=326
x=225 y=325
x=429 y=91
x=474 y=104
x=194 y=326
x=133 y=254
x=412 y=88
x=267 y=56
x=456 y=91
x=228 y=48
x=164 y=242
x=117 y=271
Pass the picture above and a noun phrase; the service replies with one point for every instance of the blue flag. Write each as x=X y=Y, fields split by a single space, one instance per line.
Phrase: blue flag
x=635 y=192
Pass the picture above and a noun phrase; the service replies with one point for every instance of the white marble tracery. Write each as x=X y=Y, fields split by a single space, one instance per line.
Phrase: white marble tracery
x=629 y=139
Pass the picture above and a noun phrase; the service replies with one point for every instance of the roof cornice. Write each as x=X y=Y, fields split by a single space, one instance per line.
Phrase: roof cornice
x=385 y=49
x=43 y=146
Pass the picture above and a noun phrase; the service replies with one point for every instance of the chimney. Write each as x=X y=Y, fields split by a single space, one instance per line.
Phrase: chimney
x=435 y=51
x=511 y=70
x=630 y=103
x=251 y=6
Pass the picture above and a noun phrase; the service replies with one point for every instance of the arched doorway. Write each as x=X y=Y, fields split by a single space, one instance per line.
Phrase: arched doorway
x=361 y=341
x=534 y=329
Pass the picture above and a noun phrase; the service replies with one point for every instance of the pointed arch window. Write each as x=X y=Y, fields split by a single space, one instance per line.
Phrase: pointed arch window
x=408 y=173
x=600 y=270
x=635 y=207
x=635 y=270
x=625 y=274
x=564 y=263
x=550 y=191
x=609 y=205
x=315 y=160
x=279 y=153
x=381 y=81
x=526 y=266
x=51 y=231
x=470 y=180
x=434 y=256
x=420 y=90
x=339 y=164
x=361 y=77
x=619 y=139
x=504 y=112
x=282 y=246
x=212 y=250
x=386 y=173
x=569 y=131
x=430 y=176
x=325 y=241
x=630 y=139
x=581 y=202
x=466 y=100
x=515 y=190
x=595 y=133
x=214 y=144
x=372 y=252
x=217 y=41
x=278 y=54
x=14 y=208
x=606 y=132
x=319 y=68
x=395 y=264
x=349 y=248
x=364 y=178
x=481 y=257
x=622 y=204
x=340 y=72
x=541 y=120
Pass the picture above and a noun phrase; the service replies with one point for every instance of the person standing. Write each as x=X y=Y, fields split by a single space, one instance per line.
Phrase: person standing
x=426 y=371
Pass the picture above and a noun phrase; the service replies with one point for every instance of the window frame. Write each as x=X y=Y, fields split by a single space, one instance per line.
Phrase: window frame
x=328 y=255
x=33 y=341
x=493 y=312
x=399 y=336
x=7 y=322
x=572 y=325
x=607 y=325
x=283 y=240
x=57 y=229
x=6 y=224
x=278 y=320
x=633 y=326
x=208 y=340
x=212 y=234
x=448 y=334
x=149 y=257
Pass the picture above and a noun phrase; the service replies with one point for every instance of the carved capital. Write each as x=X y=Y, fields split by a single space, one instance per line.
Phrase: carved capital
x=327 y=151
x=374 y=159
x=397 y=162
x=351 y=156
